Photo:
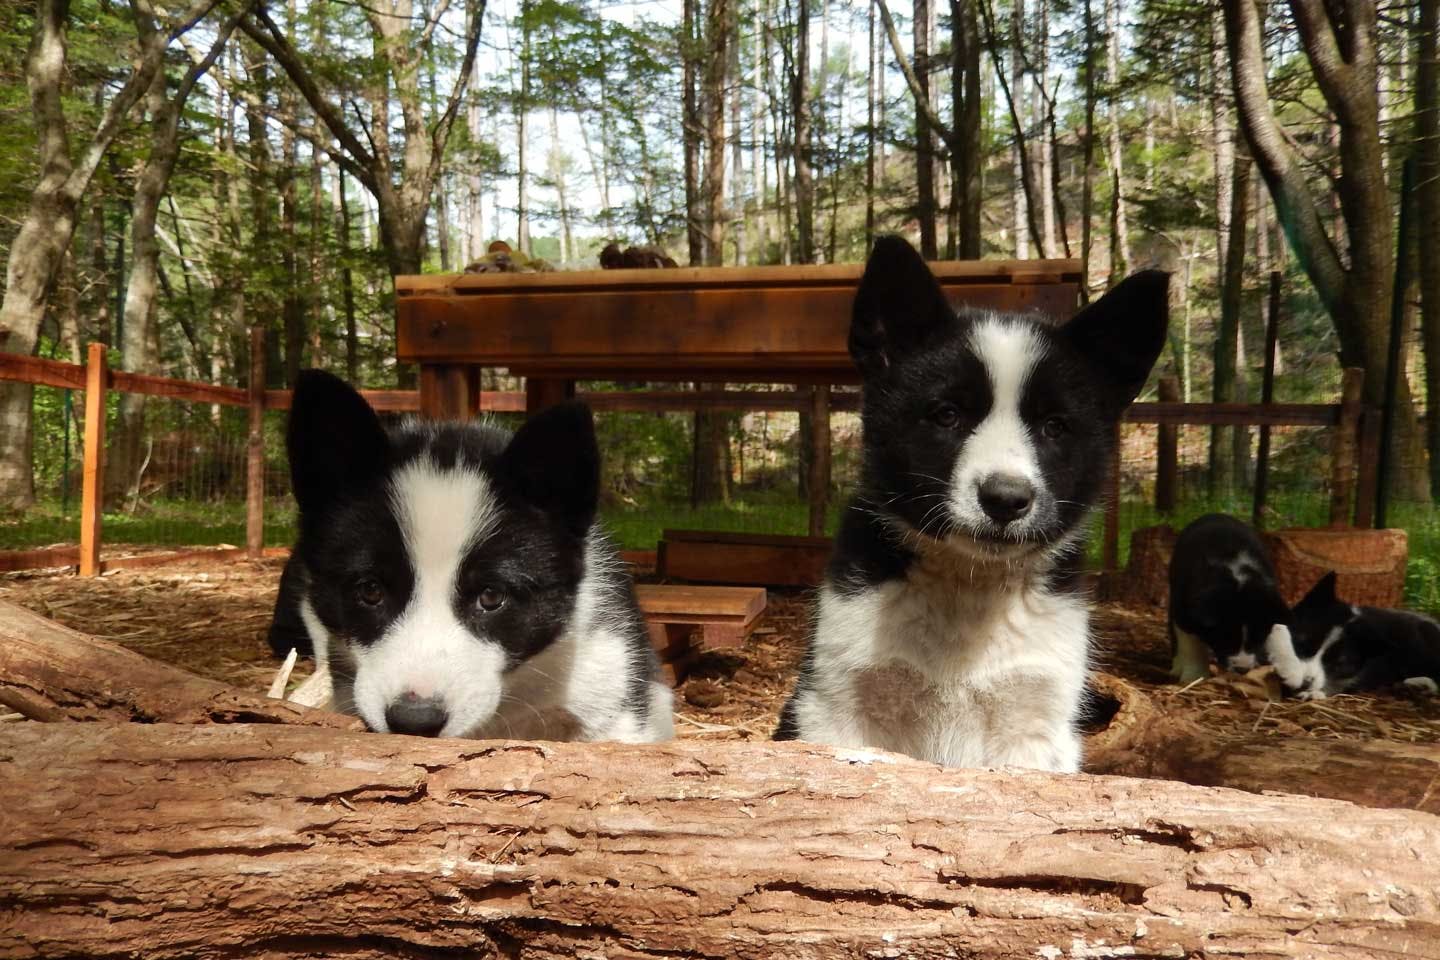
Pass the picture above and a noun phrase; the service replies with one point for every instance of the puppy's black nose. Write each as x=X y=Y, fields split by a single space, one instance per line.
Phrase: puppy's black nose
x=1006 y=498
x=421 y=716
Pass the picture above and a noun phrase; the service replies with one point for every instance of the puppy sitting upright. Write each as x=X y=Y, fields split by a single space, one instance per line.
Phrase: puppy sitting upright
x=452 y=577
x=950 y=626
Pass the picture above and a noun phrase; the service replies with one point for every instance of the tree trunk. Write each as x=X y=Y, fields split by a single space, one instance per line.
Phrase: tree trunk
x=924 y=143
x=1226 y=474
x=1020 y=172
x=710 y=461
x=1120 y=231
x=717 y=63
x=219 y=841
x=1427 y=150
x=1356 y=293
x=691 y=129
x=522 y=111
x=1087 y=187
x=347 y=285
x=966 y=152
x=800 y=106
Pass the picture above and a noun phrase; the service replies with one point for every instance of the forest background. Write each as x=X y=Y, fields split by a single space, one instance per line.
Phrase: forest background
x=172 y=174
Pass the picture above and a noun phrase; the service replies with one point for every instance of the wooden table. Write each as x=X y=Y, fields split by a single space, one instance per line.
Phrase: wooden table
x=781 y=324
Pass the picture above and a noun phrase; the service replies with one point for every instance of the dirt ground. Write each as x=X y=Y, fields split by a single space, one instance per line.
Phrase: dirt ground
x=211 y=618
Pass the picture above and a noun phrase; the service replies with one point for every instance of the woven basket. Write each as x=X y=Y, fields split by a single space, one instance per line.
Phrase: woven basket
x=1370 y=563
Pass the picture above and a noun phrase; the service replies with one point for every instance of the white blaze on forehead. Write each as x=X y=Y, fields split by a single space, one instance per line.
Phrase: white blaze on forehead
x=442 y=513
x=1001 y=444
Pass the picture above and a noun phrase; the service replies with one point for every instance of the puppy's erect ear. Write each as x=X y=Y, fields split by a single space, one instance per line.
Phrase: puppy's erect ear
x=334 y=440
x=553 y=462
x=1123 y=332
x=1322 y=594
x=898 y=302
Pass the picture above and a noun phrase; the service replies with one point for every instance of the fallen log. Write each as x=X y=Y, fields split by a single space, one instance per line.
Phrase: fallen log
x=50 y=672
x=163 y=841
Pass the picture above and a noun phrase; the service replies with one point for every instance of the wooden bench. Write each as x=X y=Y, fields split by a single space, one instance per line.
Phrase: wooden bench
x=721 y=616
x=769 y=560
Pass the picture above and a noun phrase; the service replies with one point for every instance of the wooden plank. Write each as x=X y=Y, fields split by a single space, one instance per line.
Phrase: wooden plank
x=676 y=603
x=12 y=560
x=753 y=539
x=675 y=330
x=844 y=275
x=177 y=389
x=384 y=401
x=255 y=448
x=1367 y=478
x=757 y=564
x=93 y=489
x=41 y=372
x=1236 y=414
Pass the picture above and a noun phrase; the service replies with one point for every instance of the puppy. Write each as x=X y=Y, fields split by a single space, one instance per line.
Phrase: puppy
x=453 y=579
x=1223 y=598
x=950 y=625
x=1331 y=647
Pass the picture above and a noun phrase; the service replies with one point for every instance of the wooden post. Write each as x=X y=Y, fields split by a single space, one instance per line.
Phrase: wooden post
x=541 y=393
x=1267 y=396
x=1167 y=453
x=97 y=377
x=255 y=451
x=1367 y=474
x=449 y=391
x=1110 y=549
x=817 y=486
x=1344 y=457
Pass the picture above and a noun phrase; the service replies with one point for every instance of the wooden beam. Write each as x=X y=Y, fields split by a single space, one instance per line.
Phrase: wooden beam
x=41 y=372
x=255 y=448
x=1236 y=414
x=93 y=484
x=177 y=389
x=449 y=391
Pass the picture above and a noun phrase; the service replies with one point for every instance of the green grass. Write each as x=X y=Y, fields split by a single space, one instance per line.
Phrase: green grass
x=638 y=526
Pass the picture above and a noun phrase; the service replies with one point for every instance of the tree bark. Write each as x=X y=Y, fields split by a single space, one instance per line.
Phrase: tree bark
x=1120 y=230
x=924 y=143
x=180 y=841
x=1226 y=472
x=717 y=64
x=967 y=157
x=1427 y=155
x=51 y=673
x=800 y=106
x=691 y=125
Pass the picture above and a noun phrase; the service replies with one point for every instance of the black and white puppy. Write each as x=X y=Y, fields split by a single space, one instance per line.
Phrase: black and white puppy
x=951 y=626
x=1224 y=597
x=1331 y=647
x=453 y=579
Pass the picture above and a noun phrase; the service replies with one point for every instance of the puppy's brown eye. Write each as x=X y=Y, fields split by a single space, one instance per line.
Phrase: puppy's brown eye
x=370 y=592
x=490 y=600
x=1054 y=428
x=946 y=415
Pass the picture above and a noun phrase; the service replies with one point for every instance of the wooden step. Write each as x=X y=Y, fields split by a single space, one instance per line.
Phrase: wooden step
x=685 y=620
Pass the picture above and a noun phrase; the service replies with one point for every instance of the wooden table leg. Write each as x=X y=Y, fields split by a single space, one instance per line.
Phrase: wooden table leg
x=544 y=392
x=449 y=391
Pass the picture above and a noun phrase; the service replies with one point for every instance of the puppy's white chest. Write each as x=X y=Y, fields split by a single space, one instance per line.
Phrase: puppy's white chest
x=977 y=678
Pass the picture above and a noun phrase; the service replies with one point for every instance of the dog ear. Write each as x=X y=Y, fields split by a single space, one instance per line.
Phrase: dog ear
x=1322 y=594
x=899 y=302
x=553 y=462
x=1123 y=332
x=334 y=440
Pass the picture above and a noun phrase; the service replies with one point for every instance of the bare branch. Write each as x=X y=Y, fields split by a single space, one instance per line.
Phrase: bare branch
x=922 y=103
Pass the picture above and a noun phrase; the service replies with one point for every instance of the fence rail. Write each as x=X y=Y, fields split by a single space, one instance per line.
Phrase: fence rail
x=1355 y=436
